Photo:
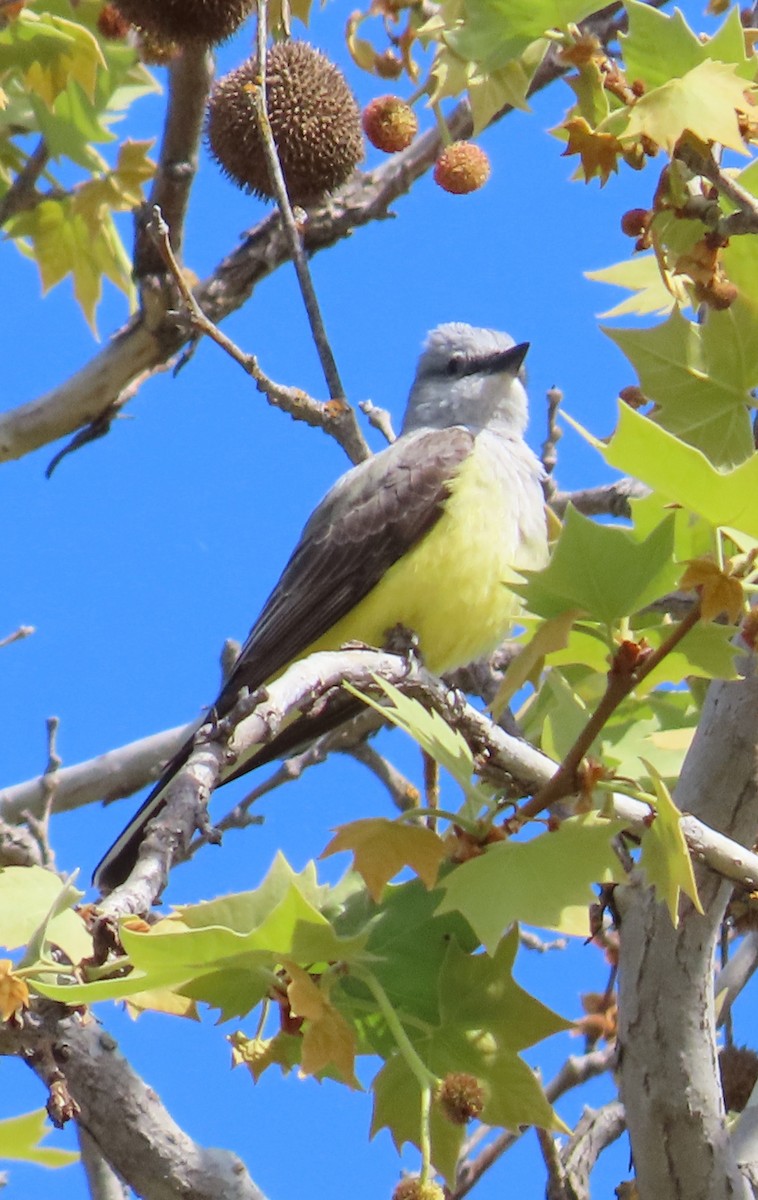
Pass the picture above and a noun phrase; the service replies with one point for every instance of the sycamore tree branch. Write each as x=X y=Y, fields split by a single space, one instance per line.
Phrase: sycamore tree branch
x=89 y=1080
x=745 y=219
x=506 y=760
x=190 y=78
x=668 y=1067
x=609 y=499
x=22 y=191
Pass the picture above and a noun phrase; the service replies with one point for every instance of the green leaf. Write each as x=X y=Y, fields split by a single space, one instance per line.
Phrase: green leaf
x=484 y=1018
x=604 y=571
x=445 y=745
x=665 y=858
x=657 y=730
x=37 y=907
x=565 y=716
x=641 y=276
x=661 y=46
x=20 y=1138
x=478 y=991
x=700 y=376
x=683 y=474
x=546 y=882
x=408 y=943
x=704 y=102
x=493 y=32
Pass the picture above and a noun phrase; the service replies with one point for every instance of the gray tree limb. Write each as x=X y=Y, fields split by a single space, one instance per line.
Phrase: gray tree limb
x=120 y=1113
x=668 y=1068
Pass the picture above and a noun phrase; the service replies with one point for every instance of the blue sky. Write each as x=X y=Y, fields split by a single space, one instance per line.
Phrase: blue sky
x=151 y=546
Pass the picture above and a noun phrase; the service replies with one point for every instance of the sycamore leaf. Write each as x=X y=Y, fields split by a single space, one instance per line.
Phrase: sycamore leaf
x=599 y=152
x=603 y=571
x=683 y=474
x=257 y=1054
x=665 y=858
x=700 y=376
x=328 y=1040
x=382 y=848
x=545 y=882
x=661 y=46
x=36 y=907
x=408 y=943
x=592 y=101
x=20 y=1138
x=640 y=275
x=565 y=715
x=445 y=745
x=705 y=102
x=706 y=651
x=162 y=1000
x=720 y=593
x=550 y=635
x=493 y=32
x=478 y=991
x=484 y=1017
x=14 y=992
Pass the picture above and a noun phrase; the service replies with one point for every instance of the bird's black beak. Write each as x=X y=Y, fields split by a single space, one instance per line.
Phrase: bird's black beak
x=509 y=361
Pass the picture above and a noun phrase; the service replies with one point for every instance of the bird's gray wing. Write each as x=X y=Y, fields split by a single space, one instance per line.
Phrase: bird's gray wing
x=369 y=519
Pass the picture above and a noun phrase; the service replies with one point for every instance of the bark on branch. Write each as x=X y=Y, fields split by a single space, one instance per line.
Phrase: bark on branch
x=668 y=1068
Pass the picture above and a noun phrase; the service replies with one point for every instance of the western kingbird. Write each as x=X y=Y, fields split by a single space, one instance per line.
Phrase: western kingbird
x=426 y=534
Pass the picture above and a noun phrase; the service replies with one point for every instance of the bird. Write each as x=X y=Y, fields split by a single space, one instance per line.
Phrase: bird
x=427 y=534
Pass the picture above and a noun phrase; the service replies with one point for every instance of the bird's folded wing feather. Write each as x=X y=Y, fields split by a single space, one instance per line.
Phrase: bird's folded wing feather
x=369 y=519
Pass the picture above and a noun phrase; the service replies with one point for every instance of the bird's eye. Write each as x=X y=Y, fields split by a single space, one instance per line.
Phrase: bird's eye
x=455 y=366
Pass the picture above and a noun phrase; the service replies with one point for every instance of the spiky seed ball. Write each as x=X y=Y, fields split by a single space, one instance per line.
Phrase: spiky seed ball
x=412 y=1188
x=461 y=168
x=183 y=21
x=389 y=123
x=314 y=118
x=739 y=1071
x=111 y=24
x=461 y=1097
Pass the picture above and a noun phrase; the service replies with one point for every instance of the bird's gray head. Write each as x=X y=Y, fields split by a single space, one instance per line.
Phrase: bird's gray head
x=468 y=376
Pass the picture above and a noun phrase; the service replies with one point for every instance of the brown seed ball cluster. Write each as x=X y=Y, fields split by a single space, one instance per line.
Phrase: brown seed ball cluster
x=389 y=123
x=183 y=21
x=461 y=168
x=315 y=121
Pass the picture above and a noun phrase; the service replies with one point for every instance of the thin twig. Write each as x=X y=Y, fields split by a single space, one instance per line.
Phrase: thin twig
x=292 y=400
x=190 y=77
x=745 y=220
x=609 y=499
x=620 y=684
x=549 y=454
x=23 y=631
x=310 y=300
x=22 y=190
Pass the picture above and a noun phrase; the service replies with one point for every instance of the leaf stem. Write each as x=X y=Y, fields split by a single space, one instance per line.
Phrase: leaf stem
x=620 y=684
